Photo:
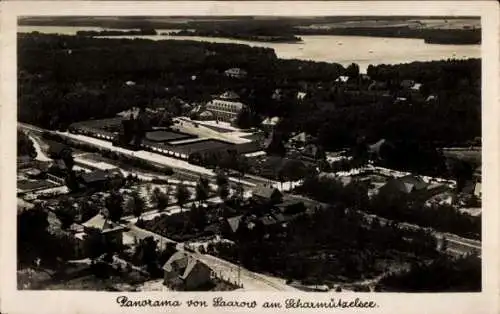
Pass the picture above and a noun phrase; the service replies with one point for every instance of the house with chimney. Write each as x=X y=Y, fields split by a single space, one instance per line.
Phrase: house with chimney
x=98 y=231
x=184 y=272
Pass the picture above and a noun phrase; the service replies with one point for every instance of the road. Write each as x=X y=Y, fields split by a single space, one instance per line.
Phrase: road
x=228 y=270
x=251 y=281
x=180 y=167
x=40 y=154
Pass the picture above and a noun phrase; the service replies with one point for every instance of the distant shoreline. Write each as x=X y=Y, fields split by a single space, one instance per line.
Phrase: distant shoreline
x=430 y=36
x=440 y=37
x=248 y=37
x=142 y=32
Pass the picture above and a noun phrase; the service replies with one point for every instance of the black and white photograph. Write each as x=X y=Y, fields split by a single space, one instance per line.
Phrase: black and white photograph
x=249 y=153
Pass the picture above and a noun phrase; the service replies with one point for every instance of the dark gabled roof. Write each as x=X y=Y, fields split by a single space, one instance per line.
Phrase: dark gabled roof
x=95 y=176
x=265 y=192
x=408 y=184
x=192 y=264
x=417 y=182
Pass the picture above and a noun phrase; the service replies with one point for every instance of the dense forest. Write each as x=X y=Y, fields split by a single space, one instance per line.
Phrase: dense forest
x=444 y=274
x=259 y=34
x=117 y=32
x=64 y=79
x=330 y=245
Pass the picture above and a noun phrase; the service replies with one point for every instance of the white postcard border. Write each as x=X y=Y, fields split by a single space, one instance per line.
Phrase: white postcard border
x=13 y=301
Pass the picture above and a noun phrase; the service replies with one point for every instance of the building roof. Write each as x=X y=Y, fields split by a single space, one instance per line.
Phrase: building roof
x=345 y=181
x=416 y=86
x=477 y=189
x=271 y=121
x=234 y=222
x=431 y=97
x=22 y=204
x=301 y=95
x=235 y=71
x=342 y=78
x=183 y=263
x=301 y=137
x=265 y=191
x=189 y=268
x=415 y=181
x=34 y=172
x=229 y=95
x=375 y=148
x=408 y=184
x=178 y=260
x=101 y=223
x=206 y=114
x=95 y=176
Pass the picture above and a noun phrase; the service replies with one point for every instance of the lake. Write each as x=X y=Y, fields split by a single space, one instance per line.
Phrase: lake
x=339 y=49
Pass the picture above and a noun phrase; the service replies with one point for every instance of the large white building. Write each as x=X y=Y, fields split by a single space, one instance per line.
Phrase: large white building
x=225 y=107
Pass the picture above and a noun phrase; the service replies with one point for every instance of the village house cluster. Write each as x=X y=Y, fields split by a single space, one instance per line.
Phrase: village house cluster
x=181 y=229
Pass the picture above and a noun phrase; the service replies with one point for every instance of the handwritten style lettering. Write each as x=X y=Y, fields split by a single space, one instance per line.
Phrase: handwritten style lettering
x=220 y=302
x=333 y=303
x=124 y=301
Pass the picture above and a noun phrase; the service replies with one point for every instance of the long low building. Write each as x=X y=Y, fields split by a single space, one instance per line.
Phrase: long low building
x=166 y=142
x=95 y=128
